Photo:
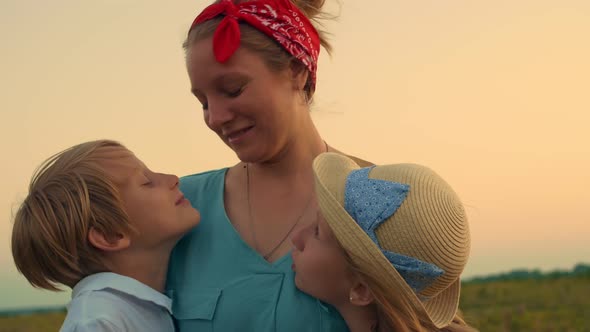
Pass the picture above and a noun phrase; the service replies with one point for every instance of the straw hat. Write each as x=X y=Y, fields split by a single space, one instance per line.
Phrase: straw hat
x=411 y=229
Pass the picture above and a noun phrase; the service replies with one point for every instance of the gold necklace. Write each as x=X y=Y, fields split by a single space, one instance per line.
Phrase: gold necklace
x=253 y=231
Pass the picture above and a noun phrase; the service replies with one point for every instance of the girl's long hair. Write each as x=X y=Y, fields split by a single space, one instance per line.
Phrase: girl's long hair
x=396 y=312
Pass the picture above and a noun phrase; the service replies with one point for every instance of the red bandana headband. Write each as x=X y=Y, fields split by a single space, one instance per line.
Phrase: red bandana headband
x=279 y=19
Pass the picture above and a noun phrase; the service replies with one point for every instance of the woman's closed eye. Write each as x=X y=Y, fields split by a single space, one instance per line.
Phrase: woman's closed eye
x=231 y=93
x=234 y=92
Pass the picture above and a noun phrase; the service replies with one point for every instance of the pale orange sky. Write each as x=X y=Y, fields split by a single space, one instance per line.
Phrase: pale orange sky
x=492 y=95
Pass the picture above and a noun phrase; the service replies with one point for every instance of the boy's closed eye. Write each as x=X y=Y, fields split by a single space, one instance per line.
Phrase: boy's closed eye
x=146 y=180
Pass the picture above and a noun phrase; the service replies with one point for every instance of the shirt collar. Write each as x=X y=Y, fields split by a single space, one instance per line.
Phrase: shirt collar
x=124 y=284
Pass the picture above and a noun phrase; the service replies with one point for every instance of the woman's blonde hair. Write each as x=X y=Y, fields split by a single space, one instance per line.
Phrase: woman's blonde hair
x=273 y=54
x=69 y=194
x=397 y=313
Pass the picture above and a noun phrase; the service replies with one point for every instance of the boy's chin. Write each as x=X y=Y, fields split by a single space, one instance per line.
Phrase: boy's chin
x=195 y=218
x=194 y=222
x=189 y=222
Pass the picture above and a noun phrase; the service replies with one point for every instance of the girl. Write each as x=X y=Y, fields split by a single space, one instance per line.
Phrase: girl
x=388 y=248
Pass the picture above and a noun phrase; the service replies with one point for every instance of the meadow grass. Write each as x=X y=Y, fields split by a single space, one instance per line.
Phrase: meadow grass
x=545 y=305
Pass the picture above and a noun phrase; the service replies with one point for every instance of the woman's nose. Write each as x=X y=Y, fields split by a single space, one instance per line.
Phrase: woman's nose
x=218 y=114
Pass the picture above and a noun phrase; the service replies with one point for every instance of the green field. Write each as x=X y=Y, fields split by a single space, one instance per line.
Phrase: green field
x=32 y=323
x=548 y=304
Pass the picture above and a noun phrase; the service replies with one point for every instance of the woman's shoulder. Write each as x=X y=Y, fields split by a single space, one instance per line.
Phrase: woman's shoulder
x=209 y=181
x=204 y=175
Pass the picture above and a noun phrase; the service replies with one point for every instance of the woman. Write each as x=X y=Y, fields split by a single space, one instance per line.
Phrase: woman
x=252 y=66
x=388 y=249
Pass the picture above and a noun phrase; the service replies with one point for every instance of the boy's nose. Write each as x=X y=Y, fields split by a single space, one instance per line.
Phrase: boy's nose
x=172 y=180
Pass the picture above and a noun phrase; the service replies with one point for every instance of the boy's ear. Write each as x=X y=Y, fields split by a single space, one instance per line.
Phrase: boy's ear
x=111 y=243
x=360 y=294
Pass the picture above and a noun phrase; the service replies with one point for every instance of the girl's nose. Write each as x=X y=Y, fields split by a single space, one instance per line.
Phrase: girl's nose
x=300 y=237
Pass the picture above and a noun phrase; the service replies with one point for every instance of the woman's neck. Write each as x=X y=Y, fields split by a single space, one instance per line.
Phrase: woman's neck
x=295 y=157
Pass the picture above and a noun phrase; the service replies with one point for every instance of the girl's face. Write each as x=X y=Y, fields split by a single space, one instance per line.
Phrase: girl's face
x=320 y=264
x=255 y=110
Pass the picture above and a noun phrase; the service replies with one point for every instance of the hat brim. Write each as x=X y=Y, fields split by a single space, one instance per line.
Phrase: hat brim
x=331 y=171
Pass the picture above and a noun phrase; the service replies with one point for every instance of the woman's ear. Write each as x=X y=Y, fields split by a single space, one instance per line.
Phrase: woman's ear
x=299 y=75
x=360 y=294
x=116 y=242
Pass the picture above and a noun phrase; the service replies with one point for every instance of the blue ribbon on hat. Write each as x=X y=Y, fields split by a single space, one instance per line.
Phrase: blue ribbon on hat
x=370 y=202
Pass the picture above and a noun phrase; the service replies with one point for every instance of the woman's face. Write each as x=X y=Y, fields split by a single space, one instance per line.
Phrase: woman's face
x=253 y=109
x=320 y=264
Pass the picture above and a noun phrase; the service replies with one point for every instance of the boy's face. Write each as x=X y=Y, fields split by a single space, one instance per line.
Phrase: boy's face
x=320 y=265
x=155 y=206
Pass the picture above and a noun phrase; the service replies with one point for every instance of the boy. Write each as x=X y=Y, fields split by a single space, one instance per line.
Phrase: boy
x=97 y=220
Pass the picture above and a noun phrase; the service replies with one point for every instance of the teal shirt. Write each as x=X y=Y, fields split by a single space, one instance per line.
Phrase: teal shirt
x=217 y=282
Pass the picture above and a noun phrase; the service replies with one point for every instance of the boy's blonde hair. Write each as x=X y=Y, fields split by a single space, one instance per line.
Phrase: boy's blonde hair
x=69 y=194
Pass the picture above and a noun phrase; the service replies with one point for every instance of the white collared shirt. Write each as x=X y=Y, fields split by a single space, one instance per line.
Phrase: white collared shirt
x=112 y=302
